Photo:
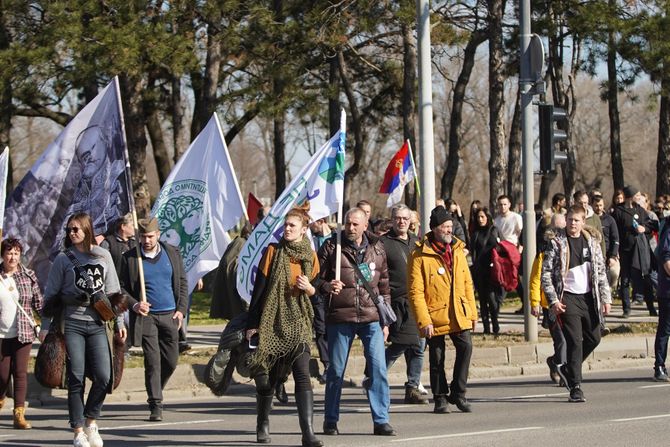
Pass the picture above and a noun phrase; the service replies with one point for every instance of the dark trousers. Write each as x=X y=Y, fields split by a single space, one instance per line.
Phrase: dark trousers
x=14 y=358
x=160 y=343
x=88 y=353
x=489 y=304
x=266 y=382
x=557 y=337
x=662 y=331
x=436 y=354
x=630 y=276
x=581 y=328
x=320 y=329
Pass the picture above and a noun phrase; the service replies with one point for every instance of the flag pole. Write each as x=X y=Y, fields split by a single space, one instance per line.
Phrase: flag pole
x=131 y=197
x=230 y=163
x=416 y=176
x=340 y=205
x=3 y=191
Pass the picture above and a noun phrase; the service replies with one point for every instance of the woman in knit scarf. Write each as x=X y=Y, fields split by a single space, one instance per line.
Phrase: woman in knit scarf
x=280 y=324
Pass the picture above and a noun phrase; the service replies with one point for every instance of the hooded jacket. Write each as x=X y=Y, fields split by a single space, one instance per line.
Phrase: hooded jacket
x=444 y=299
x=556 y=264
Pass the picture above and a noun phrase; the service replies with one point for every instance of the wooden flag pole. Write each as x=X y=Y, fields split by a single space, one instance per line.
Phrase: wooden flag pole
x=416 y=176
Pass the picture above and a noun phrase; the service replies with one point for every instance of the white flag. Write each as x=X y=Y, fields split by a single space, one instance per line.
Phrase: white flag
x=83 y=170
x=321 y=181
x=4 y=170
x=199 y=202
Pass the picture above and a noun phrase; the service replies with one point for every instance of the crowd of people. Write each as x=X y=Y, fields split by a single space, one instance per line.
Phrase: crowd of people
x=437 y=281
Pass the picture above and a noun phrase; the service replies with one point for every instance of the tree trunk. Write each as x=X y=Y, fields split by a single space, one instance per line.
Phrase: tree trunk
x=497 y=169
x=545 y=187
x=514 y=156
x=356 y=127
x=409 y=110
x=205 y=88
x=663 y=160
x=161 y=156
x=137 y=141
x=334 y=96
x=178 y=130
x=613 y=109
x=279 y=151
x=456 y=118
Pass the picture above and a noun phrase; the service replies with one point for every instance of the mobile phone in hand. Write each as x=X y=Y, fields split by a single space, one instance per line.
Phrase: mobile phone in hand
x=253 y=341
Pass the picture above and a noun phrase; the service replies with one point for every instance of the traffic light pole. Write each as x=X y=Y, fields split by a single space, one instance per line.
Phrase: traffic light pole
x=526 y=84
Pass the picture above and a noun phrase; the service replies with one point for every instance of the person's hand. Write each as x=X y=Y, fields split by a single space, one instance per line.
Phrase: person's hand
x=142 y=308
x=199 y=285
x=465 y=251
x=123 y=334
x=337 y=286
x=474 y=325
x=42 y=335
x=610 y=262
x=180 y=317
x=535 y=311
x=250 y=333
x=303 y=283
x=427 y=331
x=640 y=229
x=459 y=213
x=607 y=307
x=558 y=308
x=385 y=331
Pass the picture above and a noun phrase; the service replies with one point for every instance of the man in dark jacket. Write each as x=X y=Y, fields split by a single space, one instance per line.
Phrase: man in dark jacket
x=155 y=323
x=121 y=240
x=403 y=334
x=351 y=312
x=611 y=236
x=634 y=224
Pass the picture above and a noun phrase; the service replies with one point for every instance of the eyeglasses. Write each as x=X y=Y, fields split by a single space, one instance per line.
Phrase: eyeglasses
x=406 y=219
x=74 y=230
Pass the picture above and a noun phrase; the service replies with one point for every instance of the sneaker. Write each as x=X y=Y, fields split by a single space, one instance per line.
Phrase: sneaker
x=414 y=397
x=441 y=404
x=553 y=373
x=156 y=413
x=626 y=314
x=661 y=374
x=576 y=394
x=80 y=440
x=93 y=435
x=422 y=390
x=560 y=370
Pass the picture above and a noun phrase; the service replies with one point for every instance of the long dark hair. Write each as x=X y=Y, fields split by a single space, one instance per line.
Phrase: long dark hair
x=472 y=217
x=489 y=218
x=86 y=226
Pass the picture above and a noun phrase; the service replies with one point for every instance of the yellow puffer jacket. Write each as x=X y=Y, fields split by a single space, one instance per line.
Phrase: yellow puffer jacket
x=430 y=289
x=537 y=297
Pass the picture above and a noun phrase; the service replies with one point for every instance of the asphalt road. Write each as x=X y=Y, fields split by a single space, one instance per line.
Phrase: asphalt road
x=623 y=408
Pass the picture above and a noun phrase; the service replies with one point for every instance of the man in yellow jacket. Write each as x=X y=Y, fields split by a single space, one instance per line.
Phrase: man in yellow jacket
x=442 y=301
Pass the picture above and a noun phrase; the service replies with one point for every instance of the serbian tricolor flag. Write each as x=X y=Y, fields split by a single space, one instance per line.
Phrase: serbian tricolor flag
x=399 y=173
x=253 y=207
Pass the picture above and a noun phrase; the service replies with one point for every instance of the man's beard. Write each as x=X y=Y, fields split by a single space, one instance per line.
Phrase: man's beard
x=445 y=239
x=350 y=236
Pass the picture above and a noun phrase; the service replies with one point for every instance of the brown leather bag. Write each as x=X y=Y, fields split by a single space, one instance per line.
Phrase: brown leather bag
x=50 y=361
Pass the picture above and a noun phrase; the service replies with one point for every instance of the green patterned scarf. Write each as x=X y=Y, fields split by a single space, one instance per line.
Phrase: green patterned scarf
x=286 y=321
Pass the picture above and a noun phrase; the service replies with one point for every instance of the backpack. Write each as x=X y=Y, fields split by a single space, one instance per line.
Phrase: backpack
x=505 y=261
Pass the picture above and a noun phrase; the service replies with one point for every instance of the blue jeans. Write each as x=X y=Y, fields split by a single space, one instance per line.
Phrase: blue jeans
x=87 y=352
x=340 y=336
x=413 y=359
x=662 y=331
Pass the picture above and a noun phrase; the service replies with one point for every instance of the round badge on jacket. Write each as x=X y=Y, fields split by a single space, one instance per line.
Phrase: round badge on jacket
x=441 y=270
x=373 y=266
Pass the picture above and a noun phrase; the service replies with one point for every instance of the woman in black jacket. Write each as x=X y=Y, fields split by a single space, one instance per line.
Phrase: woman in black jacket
x=485 y=237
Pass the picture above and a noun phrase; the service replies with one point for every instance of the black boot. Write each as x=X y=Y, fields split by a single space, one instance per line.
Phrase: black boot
x=263 y=407
x=305 y=402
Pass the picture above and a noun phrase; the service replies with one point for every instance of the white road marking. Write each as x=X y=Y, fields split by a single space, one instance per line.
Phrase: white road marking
x=160 y=424
x=528 y=396
x=641 y=418
x=655 y=386
x=472 y=433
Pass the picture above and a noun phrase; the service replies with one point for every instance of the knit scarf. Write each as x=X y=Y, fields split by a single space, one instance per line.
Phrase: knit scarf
x=286 y=321
x=444 y=250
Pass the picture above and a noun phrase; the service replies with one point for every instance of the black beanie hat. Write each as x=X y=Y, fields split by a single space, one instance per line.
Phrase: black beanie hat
x=438 y=216
x=629 y=191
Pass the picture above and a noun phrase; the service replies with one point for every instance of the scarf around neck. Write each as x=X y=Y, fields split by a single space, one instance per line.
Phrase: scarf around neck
x=444 y=250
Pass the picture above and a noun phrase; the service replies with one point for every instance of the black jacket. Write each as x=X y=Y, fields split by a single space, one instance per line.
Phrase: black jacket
x=130 y=282
x=482 y=242
x=611 y=236
x=404 y=330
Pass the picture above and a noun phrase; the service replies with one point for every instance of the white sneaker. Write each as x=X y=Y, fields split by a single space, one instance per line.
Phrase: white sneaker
x=422 y=390
x=93 y=436
x=80 y=440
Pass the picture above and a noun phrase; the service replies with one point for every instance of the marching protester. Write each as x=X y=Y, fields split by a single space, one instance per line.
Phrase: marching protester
x=439 y=279
x=120 y=240
x=77 y=274
x=663 y=294
x=403 y=334
x=575 y=284
x=484 y=238
x=20 y=294
x=352 y=312
x=280 y=324
x=611 y=237
x=155 y=323
x=510 y=225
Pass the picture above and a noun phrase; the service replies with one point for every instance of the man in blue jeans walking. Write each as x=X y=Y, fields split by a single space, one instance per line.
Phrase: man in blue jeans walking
x=663 y=295
x=351 y=312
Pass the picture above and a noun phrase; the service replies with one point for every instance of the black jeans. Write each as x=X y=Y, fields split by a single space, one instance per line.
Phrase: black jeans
x=630 y=276
x=581 y=328
x=160 y=343
x=662 y=331
x=436 y=354
x=265 y=383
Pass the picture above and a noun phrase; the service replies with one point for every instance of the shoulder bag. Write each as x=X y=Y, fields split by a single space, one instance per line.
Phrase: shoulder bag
x=99 y=299
x=50 y=361
x=386 y=314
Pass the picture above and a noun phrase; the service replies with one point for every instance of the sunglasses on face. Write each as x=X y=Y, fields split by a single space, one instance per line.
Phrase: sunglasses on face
x=74 y=230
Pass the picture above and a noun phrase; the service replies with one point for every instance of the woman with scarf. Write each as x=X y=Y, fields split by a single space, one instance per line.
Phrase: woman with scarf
x=280 y=324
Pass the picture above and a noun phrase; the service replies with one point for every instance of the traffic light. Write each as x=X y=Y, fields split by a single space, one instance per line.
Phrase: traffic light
x=550 y=137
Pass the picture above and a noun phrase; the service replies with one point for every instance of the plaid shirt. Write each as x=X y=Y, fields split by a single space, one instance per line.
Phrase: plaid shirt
x=30 y=297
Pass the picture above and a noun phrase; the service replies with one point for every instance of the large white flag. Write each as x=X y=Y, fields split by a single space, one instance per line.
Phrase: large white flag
x=321 y=181
x=83 y=170
x=4 y=170
x=199 y=202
